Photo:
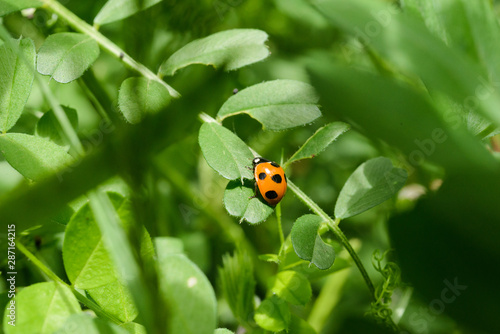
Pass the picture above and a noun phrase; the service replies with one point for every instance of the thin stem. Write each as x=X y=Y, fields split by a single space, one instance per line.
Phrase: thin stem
x=39 y=264
x=93 y=99
x=63 y=120
x=83 y=27
x=333 y=225
x=81 y=298
x=280 y=229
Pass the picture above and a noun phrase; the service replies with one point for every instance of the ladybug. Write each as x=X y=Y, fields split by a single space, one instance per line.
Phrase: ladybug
x=270 y=178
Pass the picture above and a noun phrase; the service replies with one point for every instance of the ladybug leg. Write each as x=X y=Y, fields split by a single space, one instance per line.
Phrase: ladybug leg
x=255 y=195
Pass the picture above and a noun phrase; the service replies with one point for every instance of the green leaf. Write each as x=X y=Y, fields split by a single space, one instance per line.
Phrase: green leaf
x=238 y=284
x=88 y=263
x=115 y=10
x=9 y=6
x=188 y=294
x=65 y=56
x=48 y=126
x=169 y=246
x=440 y=21
x=292 y=287
x=467 y=26
x=308 y=244
x=41 y=308
x=140 y=96
x=32 y=156
x=419 y=130
x=223 y=331
x=303 y=12
x=115 y=298
x=406 y=43
x=270 y=258
x=483 y=25
x=277 y=104
x=273 y=314
x=372 y=183
x=17 y=61
x=225 y=152
x=83 y=323
x=319 y=141
x=230 y=50
x=134 y=328
x=240 y=201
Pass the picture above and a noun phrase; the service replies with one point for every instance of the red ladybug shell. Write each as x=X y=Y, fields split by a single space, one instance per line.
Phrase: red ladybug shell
x=270 y=179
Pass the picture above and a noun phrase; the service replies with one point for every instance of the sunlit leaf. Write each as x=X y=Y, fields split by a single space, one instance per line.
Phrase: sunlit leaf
x=115 y=298
x=32 y=156
x=65 y=56
x=270 y=258
x=41 y=308
x=140 y=96
x=134 y=328
x=372 y=183
x=273 y=314
x=308 y=244
x=83 y=323
x=86 y=260
x=17 y=63
x=225 y=152
x=319 y=141
x=188 y=294
x=277 y=105
x=229 y=50
x=406 y=43
x=88 y=263
x=292 y=287
x=223 y=331
x=115 y=10
x=9 y=6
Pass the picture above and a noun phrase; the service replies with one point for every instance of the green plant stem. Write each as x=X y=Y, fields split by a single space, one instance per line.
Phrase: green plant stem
x=81 y=298
x=83 y=27
x=68 y=132
x=93 y=99
x=280 y=229
x=117 y=244
x=333 y=225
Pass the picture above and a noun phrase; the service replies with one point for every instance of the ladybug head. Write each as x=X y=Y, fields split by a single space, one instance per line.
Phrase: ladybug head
x=257 y=161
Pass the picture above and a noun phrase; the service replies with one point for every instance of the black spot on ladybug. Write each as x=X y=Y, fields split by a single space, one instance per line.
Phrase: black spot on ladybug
x=271 y=194
x=274 y=164
x=277 y=178
x=262 y=176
